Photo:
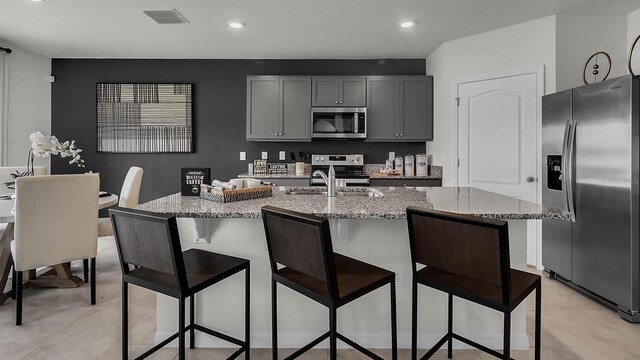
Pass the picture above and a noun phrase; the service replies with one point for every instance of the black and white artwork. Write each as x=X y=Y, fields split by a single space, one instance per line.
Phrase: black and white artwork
x=145 y=118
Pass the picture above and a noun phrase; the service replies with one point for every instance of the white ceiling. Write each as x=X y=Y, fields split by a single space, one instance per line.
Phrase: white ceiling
x=274 y=28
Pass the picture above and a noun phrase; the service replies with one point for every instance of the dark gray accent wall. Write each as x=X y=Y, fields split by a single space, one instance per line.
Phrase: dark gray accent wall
x=219 y=114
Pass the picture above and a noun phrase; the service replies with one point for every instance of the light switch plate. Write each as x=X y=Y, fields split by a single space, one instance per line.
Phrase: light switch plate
x=282 y=155
x=265 y=155
x=243 y=155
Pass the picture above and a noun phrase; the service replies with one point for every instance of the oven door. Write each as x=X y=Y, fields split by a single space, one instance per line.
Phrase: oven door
x=337 y=123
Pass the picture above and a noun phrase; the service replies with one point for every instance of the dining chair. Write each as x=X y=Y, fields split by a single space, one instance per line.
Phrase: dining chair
x=55 y=223
x=467 y=257
x=302 y=259
x=151 y=257
x=128 y=198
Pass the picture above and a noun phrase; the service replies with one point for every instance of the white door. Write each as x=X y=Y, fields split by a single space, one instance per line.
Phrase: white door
x=497 y=139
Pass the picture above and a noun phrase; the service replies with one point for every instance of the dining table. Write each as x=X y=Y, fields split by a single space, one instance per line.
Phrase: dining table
x=60 y=274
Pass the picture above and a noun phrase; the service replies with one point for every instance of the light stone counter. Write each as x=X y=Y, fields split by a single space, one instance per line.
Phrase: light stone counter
x=370 y=229
x=392 y=205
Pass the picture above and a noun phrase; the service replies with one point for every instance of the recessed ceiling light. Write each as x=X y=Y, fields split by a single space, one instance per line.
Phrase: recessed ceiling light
x=37 y=0
x=236 y=24
x=407 y=24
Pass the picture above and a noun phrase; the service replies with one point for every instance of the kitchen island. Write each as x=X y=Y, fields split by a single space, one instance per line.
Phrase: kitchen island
x=371 y=229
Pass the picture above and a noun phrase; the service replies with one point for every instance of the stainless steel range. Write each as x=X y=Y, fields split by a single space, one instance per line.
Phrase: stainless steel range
x=349 y=168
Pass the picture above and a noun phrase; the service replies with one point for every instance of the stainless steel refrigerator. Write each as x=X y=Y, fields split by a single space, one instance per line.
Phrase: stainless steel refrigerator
x=590 y=168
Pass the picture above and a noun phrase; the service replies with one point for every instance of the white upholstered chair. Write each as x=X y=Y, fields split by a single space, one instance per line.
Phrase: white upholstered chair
x=55 y=223
x=129 y=196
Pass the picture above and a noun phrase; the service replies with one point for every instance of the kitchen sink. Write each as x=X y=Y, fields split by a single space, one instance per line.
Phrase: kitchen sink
x=346 y=192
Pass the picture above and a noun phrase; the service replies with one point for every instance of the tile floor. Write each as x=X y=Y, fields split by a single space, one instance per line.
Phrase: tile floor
x=60 y=324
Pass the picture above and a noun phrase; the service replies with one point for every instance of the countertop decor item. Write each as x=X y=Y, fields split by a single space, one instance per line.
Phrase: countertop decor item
x=634 y=58
x=229 y=195
x=145 y=118
x=597 y=68
x=192 y=178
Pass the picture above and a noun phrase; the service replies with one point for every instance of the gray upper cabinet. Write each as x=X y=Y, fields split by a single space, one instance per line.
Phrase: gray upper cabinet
x=295 y=108
x=400 y=108
x=343 y=91
x=262 y=107
x=278 y=108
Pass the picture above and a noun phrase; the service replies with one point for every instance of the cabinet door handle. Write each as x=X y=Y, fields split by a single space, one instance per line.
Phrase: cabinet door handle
x=396 y=135
x=276 y=134
x=336 y=102
x=401 y=134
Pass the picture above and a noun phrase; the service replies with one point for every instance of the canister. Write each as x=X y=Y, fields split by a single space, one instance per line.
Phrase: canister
x=409 y=169
x=422 y=165
x=399 y=165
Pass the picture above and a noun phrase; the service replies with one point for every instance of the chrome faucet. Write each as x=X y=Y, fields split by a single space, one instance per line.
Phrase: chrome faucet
x=330 y=180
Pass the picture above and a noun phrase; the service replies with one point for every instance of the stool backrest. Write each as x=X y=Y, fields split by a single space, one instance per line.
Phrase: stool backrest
x=130 y=192
x=470 y=246
x=302 y=243
x=149 y=241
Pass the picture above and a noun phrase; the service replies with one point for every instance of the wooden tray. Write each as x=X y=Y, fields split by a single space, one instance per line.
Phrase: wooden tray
x=223 y=195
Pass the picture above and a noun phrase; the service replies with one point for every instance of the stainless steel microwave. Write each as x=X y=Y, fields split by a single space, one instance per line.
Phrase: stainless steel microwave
x=338 y=123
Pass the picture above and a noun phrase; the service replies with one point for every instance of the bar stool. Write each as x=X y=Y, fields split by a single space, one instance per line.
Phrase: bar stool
x=150 y=242
x=301 y=243
x=468 y=257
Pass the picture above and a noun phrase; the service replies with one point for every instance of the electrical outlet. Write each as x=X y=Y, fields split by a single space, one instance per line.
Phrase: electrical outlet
x=265 y=155
x=283 y=156
x=243 y=155
x=399 y=271
x=201 y=241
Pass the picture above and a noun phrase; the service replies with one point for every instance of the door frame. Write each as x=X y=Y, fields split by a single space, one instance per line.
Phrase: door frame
x=534 y=228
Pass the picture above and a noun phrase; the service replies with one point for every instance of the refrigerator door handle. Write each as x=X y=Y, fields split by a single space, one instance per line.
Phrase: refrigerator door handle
x=571 y=145
x=565 y=164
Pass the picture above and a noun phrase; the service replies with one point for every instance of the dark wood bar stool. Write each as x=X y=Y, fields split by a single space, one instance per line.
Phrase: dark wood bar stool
x=151 y=257
x=302 y=258
x=468 y=257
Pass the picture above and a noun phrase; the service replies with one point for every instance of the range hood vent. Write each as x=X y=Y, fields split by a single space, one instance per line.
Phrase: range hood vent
x=166 y=16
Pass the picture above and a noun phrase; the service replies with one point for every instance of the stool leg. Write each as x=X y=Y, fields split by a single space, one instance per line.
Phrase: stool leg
x=247 y=322
x=274 y=320
x=181 y=332
x=93 y=281
x=507 y=336
x=333 y=351
x=414 y=319
x=18 y=298
x=394 y=324
x=450 y=321
x=125 y=320
x=538 y=320
x=192 y=321
x=85 y=269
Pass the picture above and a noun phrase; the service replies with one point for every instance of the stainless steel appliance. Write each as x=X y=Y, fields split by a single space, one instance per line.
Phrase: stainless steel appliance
x=349 y=169
x=338 y=123
x=590 y=168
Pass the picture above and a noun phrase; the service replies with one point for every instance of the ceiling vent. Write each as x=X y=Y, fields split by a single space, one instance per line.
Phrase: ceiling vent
x=166 y=16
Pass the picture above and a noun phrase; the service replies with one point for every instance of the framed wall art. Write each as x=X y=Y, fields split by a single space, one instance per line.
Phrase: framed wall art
x=145 y=118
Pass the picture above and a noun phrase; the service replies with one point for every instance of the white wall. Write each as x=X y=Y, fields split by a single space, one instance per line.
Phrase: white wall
x=521 y=46
x=29 y=102
x=633 y=28
x=580 y=36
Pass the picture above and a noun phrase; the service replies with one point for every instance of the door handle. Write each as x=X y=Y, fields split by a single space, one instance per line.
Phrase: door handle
x=571 y=144
x=529 y=179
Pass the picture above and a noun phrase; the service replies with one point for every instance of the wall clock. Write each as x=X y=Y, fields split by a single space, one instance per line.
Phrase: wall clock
x=597 y=68
x=634 y=58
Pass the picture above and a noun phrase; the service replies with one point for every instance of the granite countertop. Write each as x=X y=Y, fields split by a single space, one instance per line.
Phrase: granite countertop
x=392 y=205
x=373 y=170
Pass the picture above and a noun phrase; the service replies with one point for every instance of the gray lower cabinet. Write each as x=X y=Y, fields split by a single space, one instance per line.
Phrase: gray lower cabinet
x=278 y=108
x=406 y=182
x=399 y=108
x=342 y=91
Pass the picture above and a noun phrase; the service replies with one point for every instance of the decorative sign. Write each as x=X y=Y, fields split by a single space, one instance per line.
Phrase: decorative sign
x=145 y=118
x=192 y=178
x=597 y=68
x=278 y=168
x=260 y=167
